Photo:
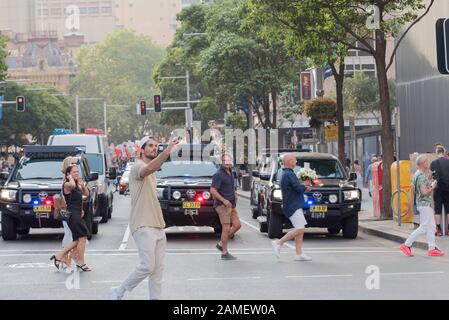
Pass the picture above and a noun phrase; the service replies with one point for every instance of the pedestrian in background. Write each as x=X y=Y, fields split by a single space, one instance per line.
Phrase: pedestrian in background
x=423 y=189
x=359 y=171
x=146 y=220
x=440 y=172
x=223 y=190
x=369 y=176
x=293 y=203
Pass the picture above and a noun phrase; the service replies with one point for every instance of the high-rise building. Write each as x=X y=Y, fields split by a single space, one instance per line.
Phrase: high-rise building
x=154 y=18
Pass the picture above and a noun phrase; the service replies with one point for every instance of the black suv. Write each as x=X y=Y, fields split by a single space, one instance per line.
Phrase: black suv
x=333 y=203
x=183 y=188
x=26 y=195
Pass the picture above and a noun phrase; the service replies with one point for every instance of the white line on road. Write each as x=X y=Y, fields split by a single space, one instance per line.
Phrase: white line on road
x=125 y=239
x=236 y=278
x=410 y=273
x=321 y=276
x=250 y=225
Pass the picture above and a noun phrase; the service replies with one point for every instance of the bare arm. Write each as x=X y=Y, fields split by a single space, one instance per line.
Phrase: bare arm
x=70 y=185
x=157 y=163
x=219 y=197
x=426 y=190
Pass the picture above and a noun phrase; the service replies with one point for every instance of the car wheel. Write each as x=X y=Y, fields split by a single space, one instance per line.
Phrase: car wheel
x=218 y=230
x=9 y=231
x=351 y=227
x=110 y=212
x=89 y=222
x=333 y=230
x=104 y=212
x=24 y=232
x=274 y=226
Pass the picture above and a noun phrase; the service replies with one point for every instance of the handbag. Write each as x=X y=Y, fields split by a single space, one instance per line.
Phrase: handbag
x=61 y=211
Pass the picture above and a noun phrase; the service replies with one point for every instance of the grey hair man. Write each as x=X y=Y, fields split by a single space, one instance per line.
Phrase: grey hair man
x=423 y=189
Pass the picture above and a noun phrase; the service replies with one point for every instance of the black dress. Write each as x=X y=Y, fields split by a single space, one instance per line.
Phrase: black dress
x=75 y=205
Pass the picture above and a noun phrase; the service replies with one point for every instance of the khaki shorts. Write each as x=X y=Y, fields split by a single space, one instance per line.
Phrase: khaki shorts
x=226 y=214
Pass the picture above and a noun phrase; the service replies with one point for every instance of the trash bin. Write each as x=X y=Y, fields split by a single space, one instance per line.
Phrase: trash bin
x=376 y=171
x=406 y=194
x=246 y=186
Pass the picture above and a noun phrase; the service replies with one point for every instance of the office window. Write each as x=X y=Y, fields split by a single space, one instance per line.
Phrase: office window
x=94 y=10
x=56 y=12
x=83 y=10
x=106 y=10
x=368 y=67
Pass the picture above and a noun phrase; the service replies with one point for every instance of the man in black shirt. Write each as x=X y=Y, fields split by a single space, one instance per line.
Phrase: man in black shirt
x=440 y=171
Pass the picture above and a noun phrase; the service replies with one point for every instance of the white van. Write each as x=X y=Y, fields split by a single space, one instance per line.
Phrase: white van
x=99 y=158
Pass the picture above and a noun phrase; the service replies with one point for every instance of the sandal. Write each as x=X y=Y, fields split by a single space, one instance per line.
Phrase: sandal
x=56 y=262
x=84 y=268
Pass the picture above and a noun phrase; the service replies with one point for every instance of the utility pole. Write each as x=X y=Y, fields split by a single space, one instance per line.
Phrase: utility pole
x=189 y=113
x=77 y=108
x=105 y=118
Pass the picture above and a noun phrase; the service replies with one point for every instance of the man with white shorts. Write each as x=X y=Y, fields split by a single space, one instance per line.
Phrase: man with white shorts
x=293 y=204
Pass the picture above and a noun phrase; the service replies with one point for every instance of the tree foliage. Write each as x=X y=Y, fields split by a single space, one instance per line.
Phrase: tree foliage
x=3 y=55
x=119 y=70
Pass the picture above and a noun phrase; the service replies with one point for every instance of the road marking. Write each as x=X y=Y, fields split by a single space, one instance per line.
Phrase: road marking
x=213 y=279
x=125 y=239
x=321 y=276
x=250 y=225
x=411 y=273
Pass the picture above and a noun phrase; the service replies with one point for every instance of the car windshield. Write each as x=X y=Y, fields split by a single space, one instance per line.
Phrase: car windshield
x=39 y=169
x=95 y=162
x=325 y=169
x=189 y=169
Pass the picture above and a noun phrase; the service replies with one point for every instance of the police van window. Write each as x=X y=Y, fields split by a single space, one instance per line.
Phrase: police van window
x=95 y=163
x=39 y=169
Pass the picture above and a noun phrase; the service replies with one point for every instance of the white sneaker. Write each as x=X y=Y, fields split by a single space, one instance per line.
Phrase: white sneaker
x=303 y=257
x=276 y=249
x=115 y=295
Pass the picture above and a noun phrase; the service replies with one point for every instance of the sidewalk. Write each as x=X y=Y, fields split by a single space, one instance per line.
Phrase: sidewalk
x=387 y=229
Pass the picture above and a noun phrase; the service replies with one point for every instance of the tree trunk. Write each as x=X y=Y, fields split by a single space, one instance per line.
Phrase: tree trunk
x=387 y=137
x=339 y=81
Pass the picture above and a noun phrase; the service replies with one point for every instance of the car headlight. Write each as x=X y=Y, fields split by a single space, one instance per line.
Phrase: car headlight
x=333 y=198
x=351 y=195
x=206 y=195
x=176 y=195
x=8 y=195
x=27 y=198
x=277 y=195
x=160 y=193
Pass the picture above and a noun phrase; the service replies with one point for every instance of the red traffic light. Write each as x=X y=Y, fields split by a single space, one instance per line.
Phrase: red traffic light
x=20 y=104
x=157 y=103
x=143 y=108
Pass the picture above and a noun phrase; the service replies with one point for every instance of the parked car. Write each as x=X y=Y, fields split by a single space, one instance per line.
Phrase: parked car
x=124 y=183
x=333 y=203
x=26 y=195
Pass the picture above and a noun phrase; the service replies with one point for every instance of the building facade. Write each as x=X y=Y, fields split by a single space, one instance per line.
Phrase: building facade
x=422 y=92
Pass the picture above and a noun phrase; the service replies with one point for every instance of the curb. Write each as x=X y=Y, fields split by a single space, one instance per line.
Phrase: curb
x=390 y=236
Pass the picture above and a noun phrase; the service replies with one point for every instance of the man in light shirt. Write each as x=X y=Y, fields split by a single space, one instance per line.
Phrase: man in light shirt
x=146 y=220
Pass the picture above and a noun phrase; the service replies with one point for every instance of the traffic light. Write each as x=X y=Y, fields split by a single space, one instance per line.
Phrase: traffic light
x=20 y=104
x=143 y=108
x=157 y=103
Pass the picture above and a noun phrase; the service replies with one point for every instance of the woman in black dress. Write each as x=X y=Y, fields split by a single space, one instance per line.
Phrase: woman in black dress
x=74 y=189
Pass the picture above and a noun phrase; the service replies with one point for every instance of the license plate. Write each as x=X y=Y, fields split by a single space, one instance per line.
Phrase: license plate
x=42 y=209
x=318 y=209
x=191 y=205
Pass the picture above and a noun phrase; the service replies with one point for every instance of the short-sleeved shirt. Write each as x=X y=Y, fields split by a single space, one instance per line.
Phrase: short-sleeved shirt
x=292 y=192
x=225 y=185
x=420 y=179
x=145 y=208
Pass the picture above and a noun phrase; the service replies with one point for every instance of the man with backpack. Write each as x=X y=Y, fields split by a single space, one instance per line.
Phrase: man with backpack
x=440 y=172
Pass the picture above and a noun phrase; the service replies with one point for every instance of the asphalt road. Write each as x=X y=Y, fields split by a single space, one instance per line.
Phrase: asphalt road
x=194 y=269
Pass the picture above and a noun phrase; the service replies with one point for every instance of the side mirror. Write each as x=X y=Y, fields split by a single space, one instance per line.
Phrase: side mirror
x=264 y=177
x=112 y=173
x=352 y=176
x=93 y=176
x=256 y=173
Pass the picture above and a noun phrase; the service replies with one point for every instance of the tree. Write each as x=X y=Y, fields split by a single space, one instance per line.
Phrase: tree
x=44 y=112
x=394 y=20
x=241 y=65
x=3 y=55
x=119 y=70
x=361 y=95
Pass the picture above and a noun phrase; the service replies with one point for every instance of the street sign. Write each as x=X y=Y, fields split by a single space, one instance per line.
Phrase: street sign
x=306 y=85
x=331 y=132
x=442 y=31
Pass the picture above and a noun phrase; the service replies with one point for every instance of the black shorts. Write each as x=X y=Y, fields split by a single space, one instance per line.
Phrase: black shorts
x=441 y=197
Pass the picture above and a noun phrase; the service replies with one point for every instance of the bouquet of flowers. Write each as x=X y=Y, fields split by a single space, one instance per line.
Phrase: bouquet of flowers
x=307 y=174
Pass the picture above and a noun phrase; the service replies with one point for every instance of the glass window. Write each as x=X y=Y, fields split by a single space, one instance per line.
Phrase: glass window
x=56 y=12
x=94 y=10
x=39 y=169
x=95 y=162
x=106 y=10
x=187 y=170
x=325 y=169
x=368 y=67
x=83 y=10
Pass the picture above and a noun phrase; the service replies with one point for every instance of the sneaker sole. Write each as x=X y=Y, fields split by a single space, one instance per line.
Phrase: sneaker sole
x=406 y=253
